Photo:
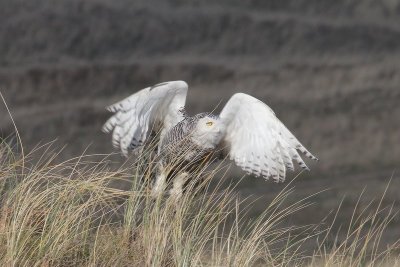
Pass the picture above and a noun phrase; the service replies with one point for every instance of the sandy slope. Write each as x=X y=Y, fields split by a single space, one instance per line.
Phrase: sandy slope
x=330 y=69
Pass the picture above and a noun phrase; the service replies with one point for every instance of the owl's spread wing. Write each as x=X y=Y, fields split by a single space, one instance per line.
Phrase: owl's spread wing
x=153 y=108
x=257 y=140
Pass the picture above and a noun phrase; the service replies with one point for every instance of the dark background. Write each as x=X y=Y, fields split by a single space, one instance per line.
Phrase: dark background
x=329 y=69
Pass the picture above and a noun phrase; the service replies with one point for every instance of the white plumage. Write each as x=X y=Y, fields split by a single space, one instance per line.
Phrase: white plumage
x=137 y=114
x=247 y=129
x=258 y=141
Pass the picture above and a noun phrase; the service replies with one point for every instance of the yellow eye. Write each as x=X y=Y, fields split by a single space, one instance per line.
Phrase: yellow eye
x=209 y=123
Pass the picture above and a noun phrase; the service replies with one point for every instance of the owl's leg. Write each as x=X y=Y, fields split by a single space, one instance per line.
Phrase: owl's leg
x=177 y=187
x=159 y=185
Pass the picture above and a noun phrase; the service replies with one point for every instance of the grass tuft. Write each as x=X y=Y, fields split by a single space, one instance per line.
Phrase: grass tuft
x=71 y=214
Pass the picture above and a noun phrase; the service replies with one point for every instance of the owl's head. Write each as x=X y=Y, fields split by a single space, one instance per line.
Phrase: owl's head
x=208 y=131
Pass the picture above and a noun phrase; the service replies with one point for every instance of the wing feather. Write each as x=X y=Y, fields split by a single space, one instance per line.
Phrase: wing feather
x=257 y=140
x=153 y=108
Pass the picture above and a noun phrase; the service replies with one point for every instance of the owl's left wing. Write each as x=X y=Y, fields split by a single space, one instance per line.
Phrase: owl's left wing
x=257 y=140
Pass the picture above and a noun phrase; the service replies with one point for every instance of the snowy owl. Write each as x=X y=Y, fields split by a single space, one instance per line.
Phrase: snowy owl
x=246 y=130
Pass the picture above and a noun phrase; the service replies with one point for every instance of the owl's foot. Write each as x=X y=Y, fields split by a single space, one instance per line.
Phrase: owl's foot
x=159 y=185
x=177 y=187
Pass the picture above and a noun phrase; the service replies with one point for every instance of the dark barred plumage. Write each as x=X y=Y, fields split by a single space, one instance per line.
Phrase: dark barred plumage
x=177 y=145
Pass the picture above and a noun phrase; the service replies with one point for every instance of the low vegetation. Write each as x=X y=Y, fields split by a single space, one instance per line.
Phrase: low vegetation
x=74 y=214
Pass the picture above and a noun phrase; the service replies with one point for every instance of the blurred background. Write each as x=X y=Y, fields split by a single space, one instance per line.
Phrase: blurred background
x=329 y=69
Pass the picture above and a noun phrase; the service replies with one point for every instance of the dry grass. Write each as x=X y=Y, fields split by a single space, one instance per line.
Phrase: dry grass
x=69 y=214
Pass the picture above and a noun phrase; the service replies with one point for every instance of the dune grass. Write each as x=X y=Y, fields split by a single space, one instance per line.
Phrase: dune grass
x=72 y=214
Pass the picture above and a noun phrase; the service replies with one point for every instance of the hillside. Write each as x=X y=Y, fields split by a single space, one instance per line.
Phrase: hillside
x=330 y=70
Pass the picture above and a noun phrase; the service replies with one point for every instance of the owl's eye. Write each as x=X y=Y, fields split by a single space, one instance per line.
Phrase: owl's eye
x=209 y=123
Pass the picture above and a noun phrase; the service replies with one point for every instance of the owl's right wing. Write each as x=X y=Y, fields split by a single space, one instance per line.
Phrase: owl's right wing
x=154 y=108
